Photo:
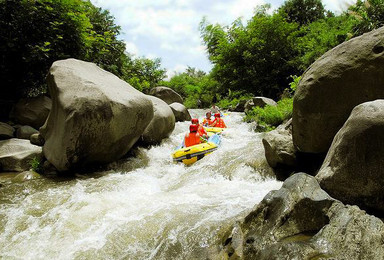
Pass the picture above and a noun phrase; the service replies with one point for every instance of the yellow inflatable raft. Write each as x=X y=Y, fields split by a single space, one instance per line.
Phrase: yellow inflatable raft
x=214 y=129
x=190 y=155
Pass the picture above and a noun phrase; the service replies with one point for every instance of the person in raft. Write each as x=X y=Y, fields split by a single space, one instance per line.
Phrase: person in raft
x=207 y=119
x=193 y=137
x=218 y=122
x=200 y=130
x=215 y=109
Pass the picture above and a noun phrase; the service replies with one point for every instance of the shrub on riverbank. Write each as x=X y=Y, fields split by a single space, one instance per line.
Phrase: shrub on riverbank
x=270 y=117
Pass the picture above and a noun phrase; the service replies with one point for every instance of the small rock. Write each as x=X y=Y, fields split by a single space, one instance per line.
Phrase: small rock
x=181 y=112
x=258 y=102
x=168 y=95
x=25 y=132
x=37 y=139
x=26 y=176
x=6 y=131
x=17 y=154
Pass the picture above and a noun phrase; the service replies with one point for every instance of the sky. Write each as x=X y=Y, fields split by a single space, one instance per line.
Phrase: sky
x=168 y=29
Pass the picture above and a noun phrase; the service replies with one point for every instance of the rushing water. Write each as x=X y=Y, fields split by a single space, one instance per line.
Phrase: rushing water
x=143 y=207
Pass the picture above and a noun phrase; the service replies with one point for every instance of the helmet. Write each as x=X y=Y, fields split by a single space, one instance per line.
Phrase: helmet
x=217 y=115
x=193 y=128
x=195 y=121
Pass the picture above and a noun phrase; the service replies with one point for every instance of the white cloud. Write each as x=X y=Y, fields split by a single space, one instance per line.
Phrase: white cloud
x=131 y=48
x=168 y=29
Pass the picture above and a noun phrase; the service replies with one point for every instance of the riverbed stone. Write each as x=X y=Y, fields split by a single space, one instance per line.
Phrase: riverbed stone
x=166 y=94
x=301 y=221
x=25 y=132
x=26 y=176
x=181 y=112
x=6 y=131
x=95 y=118
x=258 y=102
x=279 y=148
x=344 y=77
x=353 y=170
x=37 y=139
x=32 y=111
x=17 y=154
x=162 y=123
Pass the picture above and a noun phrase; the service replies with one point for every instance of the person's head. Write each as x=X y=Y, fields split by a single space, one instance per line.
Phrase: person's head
x=208 y=114
x=217 y=115
x=195 y=121
x=193 y=128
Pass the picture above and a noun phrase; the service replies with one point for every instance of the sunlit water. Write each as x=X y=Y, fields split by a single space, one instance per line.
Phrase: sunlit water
x=144 y=207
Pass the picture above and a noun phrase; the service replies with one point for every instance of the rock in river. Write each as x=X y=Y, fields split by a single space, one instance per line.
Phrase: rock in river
x=17 y=154
x=166 y=94
x=180 y=111
x=162 y=124
x=353 y=170
x=95 y=118
x=344 y=77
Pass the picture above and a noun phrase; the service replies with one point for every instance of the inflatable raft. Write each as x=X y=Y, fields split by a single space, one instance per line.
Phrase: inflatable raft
x=191 y=154
x=215 y=130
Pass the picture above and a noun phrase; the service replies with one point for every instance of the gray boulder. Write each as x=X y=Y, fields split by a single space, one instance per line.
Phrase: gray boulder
x=25 y=132
x=6 y=131
x=17 y=154
x=258 y=102
x=37 y=139
x=162 y=124
x=95 y=118
x=278 y=146
x=181 y=112
x=32 y=111
x=344 y=77
x=301 y=221
x=166 y=94
x=353 y=170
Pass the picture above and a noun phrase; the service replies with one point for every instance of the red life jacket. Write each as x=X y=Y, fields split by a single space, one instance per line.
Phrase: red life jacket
x=191 y=139
x=219 y=123
x=207 y=121
x=201 y=131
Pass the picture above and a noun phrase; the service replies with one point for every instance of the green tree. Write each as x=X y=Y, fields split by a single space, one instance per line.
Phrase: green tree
x=369 y=14
x=257 y=58
x=302 y=12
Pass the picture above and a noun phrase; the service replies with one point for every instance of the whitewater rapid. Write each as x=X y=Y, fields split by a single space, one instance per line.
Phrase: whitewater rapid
x=142 y=207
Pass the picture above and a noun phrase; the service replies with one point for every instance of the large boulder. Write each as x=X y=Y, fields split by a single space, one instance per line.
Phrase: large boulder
x=25 y=132
x=279 y=148
x=6 y=131
x=348 y=75
x=31 y=111
x=181 y=112
x=301 y=221
x=258 y=102
x=162 y=124
x=17 y=154
x=95 y=118
x=166 y=94
x=353 y=170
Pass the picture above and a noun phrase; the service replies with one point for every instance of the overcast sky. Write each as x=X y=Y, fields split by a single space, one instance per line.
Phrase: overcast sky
x=168 y=29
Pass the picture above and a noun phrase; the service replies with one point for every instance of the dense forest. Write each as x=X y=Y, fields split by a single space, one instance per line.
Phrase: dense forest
x=256 y=57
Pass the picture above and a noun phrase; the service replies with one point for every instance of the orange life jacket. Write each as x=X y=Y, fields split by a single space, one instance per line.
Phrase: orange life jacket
x=191 y=139
x=219 y=122
x=201 y=131
x=207 y=121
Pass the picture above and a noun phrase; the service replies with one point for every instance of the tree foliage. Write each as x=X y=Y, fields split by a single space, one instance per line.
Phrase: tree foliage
x=35 y=33
x=302 y=12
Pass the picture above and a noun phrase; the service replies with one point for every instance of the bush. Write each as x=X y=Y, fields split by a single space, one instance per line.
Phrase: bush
x=36 y=165
x=271 y=116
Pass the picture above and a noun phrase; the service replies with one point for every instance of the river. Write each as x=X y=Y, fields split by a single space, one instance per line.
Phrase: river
x=142 y=207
